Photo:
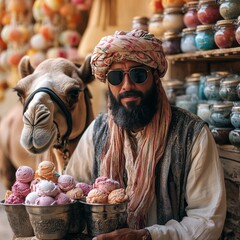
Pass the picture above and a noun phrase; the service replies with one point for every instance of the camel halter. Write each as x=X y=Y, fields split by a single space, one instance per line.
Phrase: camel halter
x=65 y=138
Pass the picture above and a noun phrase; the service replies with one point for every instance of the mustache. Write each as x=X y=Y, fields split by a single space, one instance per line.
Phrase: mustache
x=130 y=94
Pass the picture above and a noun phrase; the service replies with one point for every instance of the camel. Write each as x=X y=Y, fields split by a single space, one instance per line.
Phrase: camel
x=54 y=110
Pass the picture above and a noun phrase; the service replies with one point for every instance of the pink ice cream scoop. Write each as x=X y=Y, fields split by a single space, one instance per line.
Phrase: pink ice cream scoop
x=24 y=174
x=21 y=189
x=45 y=201
x=86 y=188
x=47 y=188
x=31 y=198
x=62 y=198
x=66 y=182
x=106 y=184
x=15 y=199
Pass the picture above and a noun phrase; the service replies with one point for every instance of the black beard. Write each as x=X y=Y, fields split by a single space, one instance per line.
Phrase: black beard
x=134 y=116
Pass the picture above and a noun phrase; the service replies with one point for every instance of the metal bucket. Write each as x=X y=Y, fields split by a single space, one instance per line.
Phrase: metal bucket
x=18 y=219
x=104 y=218
x=50 y=222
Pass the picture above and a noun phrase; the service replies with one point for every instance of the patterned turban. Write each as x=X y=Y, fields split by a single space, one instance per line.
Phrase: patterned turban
x=136 y=45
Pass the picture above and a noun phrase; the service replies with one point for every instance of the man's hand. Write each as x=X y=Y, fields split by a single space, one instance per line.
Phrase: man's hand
x=123 y=234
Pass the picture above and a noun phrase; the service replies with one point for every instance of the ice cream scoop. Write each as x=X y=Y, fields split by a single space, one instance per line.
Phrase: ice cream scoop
x=62 y=198
x=97 y=196
x=21 y=189
x=15 y=199
x=117 y=196
x=45 y=201
x=75 y=193
x=106 y=184
x=66 y=182
x=31 y=198
x=47 y=188
x=86 y=188
x=24 y=174
x=34 y=183
x=46 y=170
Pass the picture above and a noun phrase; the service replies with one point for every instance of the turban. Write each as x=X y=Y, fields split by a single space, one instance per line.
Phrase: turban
x=136 y=45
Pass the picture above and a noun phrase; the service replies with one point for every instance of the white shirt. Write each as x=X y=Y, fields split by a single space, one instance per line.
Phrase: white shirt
x=205 y=190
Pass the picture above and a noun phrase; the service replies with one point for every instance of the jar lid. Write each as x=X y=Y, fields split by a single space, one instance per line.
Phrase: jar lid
x=174 y=84
x=214 y=79
x=195 y=77
x=173 y=10
x=211 y=2
x=225 y=22
x=140 y=19
x=156 y=18
x=205 y=27
x=220 y=106
x=188 y=30
x=232 y=82
x=236 y=109
x=193 y=4
x=170 y=34
x=220 y=73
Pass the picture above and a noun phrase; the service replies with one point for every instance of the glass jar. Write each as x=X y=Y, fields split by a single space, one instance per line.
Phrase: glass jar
x=204 y=112
x=235 y=116
x=190 y=17
x=205 y=37
x=238 y=90
x=237 y=33
x=234 y=137
x=192 y=84
x=220 y=114
x=171 y=43
x=188 y=102
x=229 y=9
x=208 y=12
x=201 y=94
x=140 y=22
x=173 y=19
x=188 y=40
x=155 y=25
x=172 y=3
x=225 y=34
x=211 y=89
x=173 y=89
x=228 y=88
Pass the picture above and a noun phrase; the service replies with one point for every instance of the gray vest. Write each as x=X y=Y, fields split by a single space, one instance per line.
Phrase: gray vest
x=172 y=169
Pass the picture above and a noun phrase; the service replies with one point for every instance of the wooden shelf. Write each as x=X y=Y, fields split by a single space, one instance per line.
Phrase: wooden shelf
x=229 y=54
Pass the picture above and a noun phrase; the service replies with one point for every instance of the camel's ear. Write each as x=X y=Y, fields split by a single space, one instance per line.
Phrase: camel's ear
x=24 y=67
x=86 y=70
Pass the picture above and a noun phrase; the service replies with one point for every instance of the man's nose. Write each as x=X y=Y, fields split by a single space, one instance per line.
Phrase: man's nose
x=127 y=82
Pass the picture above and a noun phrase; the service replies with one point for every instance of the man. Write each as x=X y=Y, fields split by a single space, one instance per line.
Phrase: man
x=165 y=157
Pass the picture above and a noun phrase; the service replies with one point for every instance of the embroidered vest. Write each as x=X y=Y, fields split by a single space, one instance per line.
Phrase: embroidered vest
x=172 y=169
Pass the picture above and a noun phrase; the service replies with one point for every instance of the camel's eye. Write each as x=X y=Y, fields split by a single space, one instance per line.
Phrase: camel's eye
x=20 y=95
x=72 y=96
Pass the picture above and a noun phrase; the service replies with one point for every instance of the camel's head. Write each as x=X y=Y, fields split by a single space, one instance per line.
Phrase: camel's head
x=54 y=101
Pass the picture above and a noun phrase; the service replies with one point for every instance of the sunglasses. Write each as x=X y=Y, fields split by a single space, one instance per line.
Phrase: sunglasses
x=137 y=75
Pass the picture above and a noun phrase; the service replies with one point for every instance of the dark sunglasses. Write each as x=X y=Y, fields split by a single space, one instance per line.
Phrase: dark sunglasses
x=137 y=75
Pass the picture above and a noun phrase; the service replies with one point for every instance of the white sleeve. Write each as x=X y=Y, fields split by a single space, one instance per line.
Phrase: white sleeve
x=80 y=165
x=205 y=196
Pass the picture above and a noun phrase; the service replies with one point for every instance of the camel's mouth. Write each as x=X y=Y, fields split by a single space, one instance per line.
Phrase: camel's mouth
x=37 y=140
